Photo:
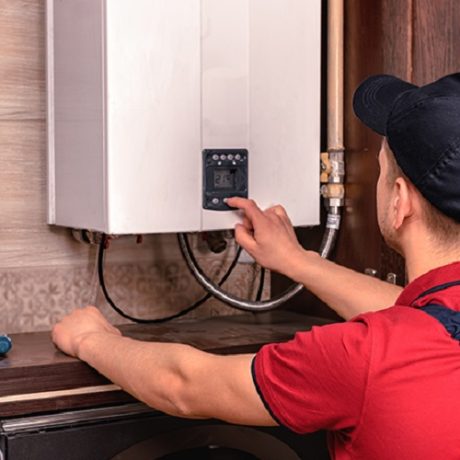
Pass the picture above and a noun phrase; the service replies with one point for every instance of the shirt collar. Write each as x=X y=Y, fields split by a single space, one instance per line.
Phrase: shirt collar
x=436 y=277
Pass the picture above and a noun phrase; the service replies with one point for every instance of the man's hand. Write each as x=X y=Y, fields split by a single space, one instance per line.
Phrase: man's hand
x=75 y=327
x=269 y=237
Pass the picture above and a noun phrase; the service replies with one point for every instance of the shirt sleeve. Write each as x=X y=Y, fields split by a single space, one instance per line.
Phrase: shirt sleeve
x=317 y=380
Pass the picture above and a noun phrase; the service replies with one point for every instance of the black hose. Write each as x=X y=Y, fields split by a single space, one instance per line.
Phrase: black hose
x=194 y=306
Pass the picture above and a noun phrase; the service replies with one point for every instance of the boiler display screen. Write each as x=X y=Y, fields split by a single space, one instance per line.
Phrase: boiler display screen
x=224 y=178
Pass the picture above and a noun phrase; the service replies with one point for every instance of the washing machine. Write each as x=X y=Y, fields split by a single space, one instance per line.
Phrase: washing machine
x=136 y=432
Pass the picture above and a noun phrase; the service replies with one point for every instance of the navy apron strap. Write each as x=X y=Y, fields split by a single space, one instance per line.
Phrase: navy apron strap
x=439 y=287
x=450 y=319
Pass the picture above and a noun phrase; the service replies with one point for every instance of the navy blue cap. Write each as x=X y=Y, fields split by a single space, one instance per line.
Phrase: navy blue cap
x=422 y=126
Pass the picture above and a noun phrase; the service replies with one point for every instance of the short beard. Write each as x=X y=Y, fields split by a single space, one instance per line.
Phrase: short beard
x=389 y=235
x=392 y=243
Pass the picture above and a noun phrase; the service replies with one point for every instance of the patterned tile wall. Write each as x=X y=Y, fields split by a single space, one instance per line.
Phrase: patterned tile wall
x=44 y=272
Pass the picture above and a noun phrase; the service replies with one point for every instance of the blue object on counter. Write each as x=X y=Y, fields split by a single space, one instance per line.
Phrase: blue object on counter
x=5 y=344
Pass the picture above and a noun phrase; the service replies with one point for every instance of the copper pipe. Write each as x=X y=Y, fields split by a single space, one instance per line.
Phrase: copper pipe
x=335 y=76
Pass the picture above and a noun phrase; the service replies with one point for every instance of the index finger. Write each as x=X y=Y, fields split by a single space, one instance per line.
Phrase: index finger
x=250 y=208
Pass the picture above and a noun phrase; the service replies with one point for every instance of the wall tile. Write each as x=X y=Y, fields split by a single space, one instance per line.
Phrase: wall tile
x=33 y=299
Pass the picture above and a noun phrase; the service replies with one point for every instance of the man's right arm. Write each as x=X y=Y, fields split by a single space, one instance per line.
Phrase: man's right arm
x=270 y=238
x=346 y=291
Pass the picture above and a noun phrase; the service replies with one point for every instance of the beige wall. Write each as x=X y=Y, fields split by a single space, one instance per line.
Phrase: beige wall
x=44 y=272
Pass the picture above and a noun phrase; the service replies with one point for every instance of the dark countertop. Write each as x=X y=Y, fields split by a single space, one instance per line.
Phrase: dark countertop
x=35 y=377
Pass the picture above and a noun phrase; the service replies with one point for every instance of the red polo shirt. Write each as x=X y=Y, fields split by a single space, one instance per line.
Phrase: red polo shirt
x=385 y=384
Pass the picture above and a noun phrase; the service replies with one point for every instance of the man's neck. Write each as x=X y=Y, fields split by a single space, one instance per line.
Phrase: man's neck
x=424 y=256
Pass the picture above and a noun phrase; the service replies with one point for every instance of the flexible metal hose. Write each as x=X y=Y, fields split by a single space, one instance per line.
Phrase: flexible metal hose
x=327 y=245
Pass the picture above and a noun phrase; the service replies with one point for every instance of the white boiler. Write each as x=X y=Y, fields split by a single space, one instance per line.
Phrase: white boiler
x=160 y=109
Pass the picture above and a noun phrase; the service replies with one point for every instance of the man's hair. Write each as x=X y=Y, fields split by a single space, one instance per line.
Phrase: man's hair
x=445 y=230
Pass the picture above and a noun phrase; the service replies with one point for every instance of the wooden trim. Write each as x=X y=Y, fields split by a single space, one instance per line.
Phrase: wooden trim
x=58 y=394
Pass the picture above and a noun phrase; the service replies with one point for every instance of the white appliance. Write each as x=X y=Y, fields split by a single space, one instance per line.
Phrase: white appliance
x=139 y=89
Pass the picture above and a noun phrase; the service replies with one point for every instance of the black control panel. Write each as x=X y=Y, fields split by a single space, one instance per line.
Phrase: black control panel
x=225 y=174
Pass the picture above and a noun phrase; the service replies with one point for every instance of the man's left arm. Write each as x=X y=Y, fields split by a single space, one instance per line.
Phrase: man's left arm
x=174 y=378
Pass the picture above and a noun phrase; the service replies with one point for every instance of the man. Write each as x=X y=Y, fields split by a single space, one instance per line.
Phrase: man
x=386 y=382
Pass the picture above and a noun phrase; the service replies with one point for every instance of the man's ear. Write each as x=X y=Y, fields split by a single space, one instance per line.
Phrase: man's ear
x=402 y=202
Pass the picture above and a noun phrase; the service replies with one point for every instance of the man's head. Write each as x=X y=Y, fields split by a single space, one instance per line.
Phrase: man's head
x=399 y=202
x=420 y=155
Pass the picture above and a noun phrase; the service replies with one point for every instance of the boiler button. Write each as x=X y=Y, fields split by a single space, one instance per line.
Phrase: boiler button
x=230 y=157
x=237 y=156
x=223 y=157
x=215 y=201
x=215 y=157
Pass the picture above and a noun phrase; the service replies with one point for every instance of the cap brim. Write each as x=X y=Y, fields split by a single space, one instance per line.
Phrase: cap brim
x=374 y=99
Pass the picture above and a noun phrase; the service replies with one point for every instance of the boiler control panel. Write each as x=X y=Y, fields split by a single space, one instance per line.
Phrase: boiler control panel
x=225 y=174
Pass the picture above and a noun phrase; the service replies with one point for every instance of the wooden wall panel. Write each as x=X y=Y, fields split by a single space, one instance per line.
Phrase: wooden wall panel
x=436 y=39
x=397 y=49
x=363 y=57
x=397 y=46
x=22 y=84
